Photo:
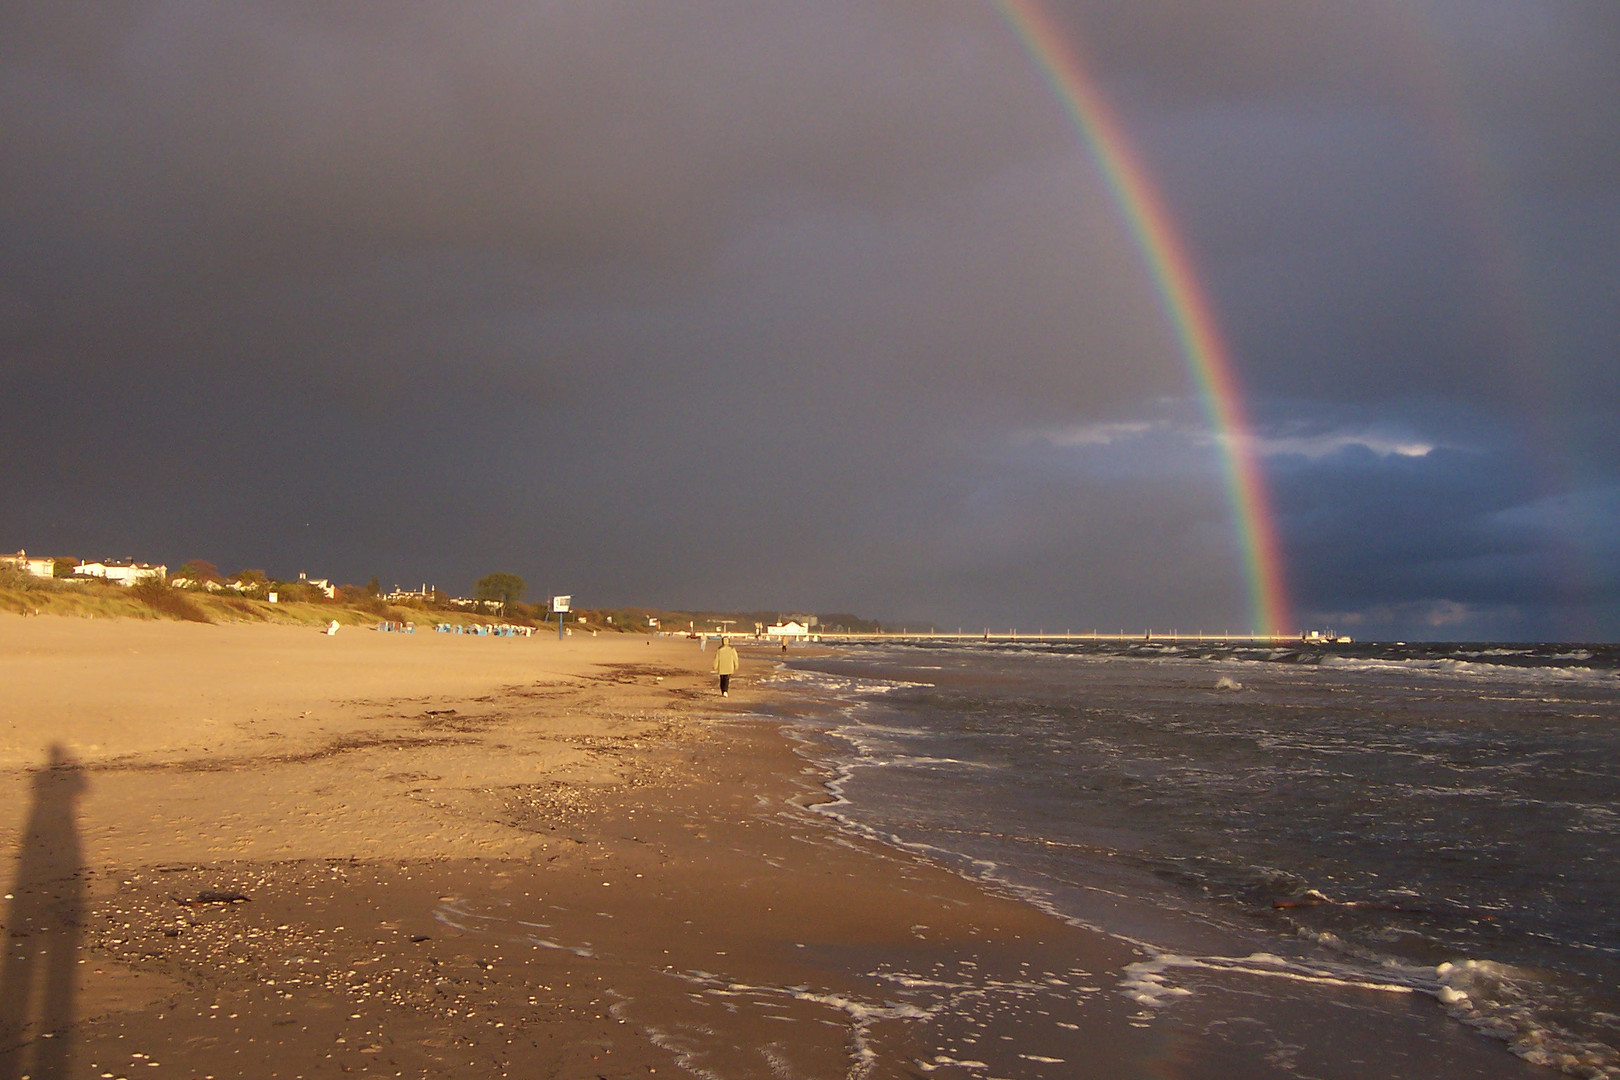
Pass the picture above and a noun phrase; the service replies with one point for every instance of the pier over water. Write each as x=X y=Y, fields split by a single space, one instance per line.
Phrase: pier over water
x=1044 y=637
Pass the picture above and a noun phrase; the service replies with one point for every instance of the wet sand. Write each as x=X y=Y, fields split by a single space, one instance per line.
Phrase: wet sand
x=261 y=852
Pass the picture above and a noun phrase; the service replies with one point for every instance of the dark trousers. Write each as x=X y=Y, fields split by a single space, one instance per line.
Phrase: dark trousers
x=725 y=683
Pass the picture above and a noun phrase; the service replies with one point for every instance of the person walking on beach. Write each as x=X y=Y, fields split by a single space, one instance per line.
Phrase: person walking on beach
x=726 y=662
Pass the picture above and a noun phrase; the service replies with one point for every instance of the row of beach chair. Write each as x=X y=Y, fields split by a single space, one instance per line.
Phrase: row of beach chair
x=482 y=630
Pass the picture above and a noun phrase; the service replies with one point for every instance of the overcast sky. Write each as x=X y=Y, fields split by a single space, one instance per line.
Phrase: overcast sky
x=820 y=306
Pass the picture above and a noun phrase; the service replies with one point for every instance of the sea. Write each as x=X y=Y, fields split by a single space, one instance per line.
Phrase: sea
x=1441 y=820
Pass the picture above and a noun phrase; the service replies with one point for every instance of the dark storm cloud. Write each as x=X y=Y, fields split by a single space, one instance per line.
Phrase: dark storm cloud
x=558 y=133
x=1385 y=182
x=745 y=305
x=1497 y=552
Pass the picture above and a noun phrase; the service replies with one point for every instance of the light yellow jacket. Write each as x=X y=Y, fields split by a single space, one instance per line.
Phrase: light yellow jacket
x=726 y=661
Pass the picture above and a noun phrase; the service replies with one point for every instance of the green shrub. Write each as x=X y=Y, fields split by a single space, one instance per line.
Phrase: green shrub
x=13 y=578
x=156 y=594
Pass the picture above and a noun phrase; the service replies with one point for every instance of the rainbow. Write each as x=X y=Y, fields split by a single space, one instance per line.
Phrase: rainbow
x=1184 y=302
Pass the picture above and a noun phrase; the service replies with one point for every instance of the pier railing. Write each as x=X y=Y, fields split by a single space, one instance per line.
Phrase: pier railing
x=1168 y=637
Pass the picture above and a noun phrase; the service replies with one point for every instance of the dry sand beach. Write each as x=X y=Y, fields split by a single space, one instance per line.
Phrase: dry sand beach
x=257 y=851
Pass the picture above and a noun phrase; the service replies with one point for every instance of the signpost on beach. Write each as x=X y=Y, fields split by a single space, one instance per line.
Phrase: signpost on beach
x=560 y=605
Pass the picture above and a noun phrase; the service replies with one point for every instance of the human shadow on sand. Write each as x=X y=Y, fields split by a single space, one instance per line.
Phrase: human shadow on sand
x=42 y=927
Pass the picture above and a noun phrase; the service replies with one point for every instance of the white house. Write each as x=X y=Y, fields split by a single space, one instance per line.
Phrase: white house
x=121 y=571
x=328 y=590
x=188 y=583
x=244 y=586
x=427 y=592
x=37 y=567
x=789 y=629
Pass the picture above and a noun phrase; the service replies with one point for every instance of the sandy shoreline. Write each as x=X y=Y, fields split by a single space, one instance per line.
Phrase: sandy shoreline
x=489 y=857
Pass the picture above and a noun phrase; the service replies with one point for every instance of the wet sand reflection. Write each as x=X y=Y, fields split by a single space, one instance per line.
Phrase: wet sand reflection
x=42 y=927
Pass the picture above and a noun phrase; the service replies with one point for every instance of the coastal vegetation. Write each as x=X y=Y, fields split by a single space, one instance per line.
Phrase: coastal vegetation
x=155 y=598
x=195 y=594
x=165 y=599
x=502 y=588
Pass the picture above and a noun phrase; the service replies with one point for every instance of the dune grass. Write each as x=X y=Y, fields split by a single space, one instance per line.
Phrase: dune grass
x=22 y=594
x=158 y=595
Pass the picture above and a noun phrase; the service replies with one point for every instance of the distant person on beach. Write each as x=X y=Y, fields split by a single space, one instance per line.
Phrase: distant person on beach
x=726 y=662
